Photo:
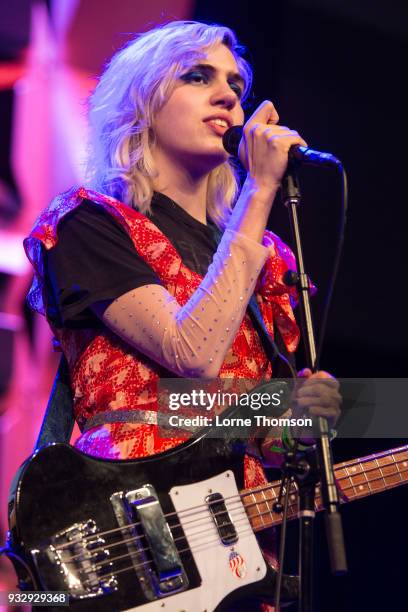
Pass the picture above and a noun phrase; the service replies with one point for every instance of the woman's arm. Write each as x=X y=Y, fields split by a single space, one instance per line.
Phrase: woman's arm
x=193 y=340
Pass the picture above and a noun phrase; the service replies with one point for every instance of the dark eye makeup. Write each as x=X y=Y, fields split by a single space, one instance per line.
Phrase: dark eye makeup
x=204 y=74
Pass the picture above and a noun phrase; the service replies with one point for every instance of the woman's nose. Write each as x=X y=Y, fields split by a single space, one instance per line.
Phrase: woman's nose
x=224 y=96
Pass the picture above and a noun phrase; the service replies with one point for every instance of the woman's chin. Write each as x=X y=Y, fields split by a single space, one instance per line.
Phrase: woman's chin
x=211 y=158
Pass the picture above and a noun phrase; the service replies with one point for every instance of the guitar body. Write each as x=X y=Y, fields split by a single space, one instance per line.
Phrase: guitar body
x=178 y=533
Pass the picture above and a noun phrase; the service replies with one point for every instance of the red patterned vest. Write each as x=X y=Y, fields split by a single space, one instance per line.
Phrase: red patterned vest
x=107 y=374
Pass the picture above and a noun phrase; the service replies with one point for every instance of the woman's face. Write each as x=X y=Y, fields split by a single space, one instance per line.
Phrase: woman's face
x=203 y=105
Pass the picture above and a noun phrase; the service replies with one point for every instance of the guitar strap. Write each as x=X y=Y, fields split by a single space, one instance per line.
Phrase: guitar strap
x=283 y=365
x=58 y=421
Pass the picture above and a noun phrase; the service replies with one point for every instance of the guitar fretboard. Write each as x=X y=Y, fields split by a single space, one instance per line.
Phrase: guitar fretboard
x=356 y=478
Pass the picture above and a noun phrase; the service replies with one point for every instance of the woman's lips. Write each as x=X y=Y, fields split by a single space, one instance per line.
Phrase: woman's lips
x=216 y=127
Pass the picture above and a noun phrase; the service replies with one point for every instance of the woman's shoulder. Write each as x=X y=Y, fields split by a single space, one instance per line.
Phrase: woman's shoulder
x=93 y=200
x=47 y=225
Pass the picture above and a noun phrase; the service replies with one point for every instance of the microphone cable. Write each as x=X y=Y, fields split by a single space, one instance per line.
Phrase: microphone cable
x=336 y=263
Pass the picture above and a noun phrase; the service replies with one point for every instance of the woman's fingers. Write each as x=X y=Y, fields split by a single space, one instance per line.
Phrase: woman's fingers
x=265 y=113
x=317 y=395
x=264 y=147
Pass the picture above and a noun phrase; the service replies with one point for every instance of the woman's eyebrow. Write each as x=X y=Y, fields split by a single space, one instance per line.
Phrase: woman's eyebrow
x=235 y=77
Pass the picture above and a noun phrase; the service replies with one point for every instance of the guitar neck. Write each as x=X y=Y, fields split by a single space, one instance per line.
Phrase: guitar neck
x=356 y=478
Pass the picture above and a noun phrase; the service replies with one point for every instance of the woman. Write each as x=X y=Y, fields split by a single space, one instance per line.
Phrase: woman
x=129 y=273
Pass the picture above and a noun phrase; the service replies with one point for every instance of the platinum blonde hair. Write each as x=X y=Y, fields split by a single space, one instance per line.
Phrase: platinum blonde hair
x=134 y=86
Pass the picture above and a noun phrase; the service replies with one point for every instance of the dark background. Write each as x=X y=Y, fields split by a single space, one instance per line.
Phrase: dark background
x=336 y=71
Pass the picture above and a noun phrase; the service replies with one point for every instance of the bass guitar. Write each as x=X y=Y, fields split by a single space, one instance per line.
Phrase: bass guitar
x=171 y=532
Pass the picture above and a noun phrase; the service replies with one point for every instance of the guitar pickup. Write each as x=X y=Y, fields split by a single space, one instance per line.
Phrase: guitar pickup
x=222 y=519
x=152 y=548
x=161 y=544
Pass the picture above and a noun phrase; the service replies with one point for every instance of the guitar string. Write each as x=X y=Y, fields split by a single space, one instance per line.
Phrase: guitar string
x=202 y=508
x=140 y=550
x=207 y=517
x=189 y=549
x=368 y=458
x=231 y=511
x=192 y=547
x=187 y=511
x=146 y=563
x=272 y=486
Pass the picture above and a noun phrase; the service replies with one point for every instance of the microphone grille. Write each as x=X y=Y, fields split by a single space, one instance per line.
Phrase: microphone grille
x=231 y=139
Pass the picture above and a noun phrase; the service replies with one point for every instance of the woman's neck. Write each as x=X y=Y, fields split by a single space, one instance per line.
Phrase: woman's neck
x=189 y=192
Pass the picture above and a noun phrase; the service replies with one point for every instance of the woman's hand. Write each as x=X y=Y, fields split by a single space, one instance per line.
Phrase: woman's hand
x=264 y=149
x=317 y=395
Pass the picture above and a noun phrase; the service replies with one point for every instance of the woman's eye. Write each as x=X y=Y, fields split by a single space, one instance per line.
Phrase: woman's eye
x=236 y=89
x=195 y=77
x=201 y=77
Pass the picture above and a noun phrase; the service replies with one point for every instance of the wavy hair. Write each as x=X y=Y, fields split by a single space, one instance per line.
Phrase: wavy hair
x=133 y=87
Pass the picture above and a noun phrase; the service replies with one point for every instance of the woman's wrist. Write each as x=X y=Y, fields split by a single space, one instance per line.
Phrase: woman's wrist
x=261 y=193
x=251 y=212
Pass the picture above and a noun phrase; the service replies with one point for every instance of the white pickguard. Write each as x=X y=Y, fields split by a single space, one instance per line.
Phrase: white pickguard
x=210 y=555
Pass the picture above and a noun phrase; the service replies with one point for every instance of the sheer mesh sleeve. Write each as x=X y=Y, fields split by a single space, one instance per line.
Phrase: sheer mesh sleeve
x=192 y=340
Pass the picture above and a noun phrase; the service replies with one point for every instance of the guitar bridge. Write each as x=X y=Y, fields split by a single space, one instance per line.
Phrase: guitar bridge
x=150 y=543
x=76 y=552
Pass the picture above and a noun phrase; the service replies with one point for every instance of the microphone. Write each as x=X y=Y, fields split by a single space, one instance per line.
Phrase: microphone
x=232 y=138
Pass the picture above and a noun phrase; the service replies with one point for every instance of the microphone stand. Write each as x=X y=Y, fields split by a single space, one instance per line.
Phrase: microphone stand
x=323 y=469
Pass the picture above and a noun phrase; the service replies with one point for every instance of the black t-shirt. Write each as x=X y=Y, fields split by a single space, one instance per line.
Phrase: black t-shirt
x=95 y=259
